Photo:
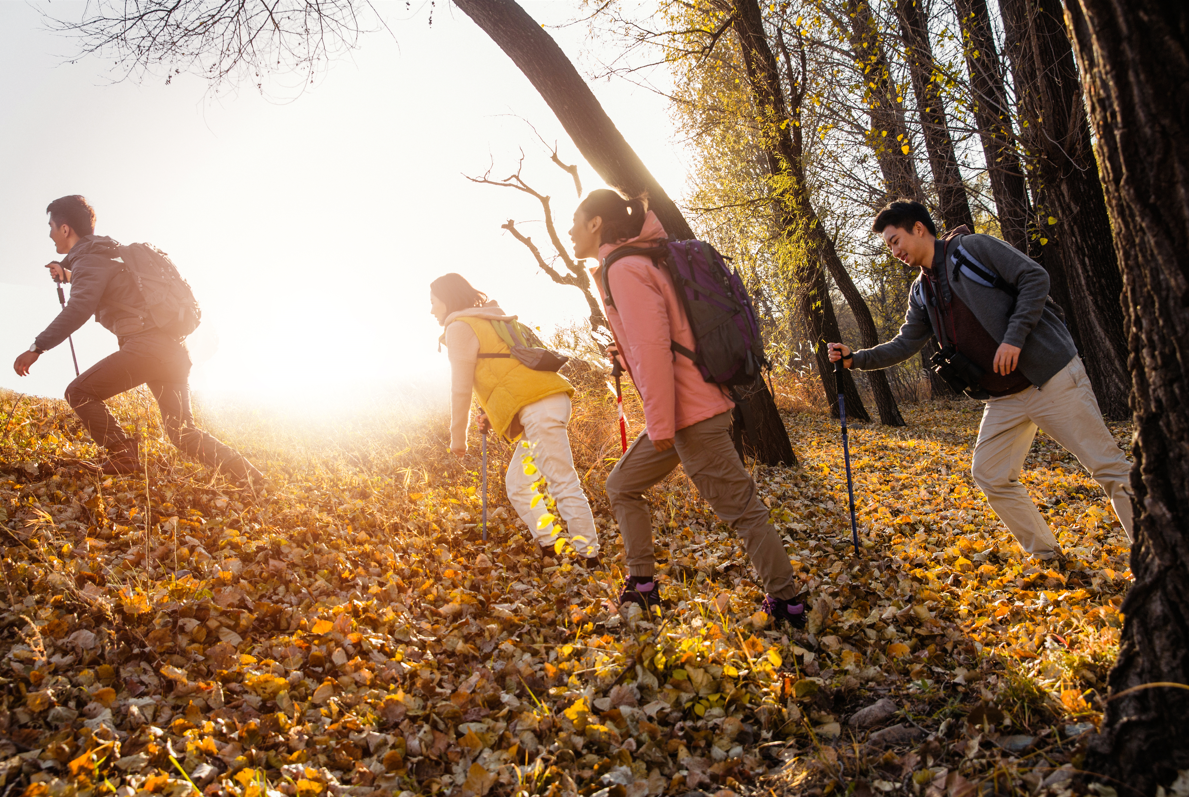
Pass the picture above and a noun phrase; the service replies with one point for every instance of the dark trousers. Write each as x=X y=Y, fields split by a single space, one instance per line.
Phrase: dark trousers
x=152 y=359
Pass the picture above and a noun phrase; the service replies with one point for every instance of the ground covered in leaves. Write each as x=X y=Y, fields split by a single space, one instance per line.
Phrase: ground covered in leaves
x=349 y=632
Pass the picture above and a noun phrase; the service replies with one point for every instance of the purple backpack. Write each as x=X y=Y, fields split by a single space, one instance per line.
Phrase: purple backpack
x=728 y=346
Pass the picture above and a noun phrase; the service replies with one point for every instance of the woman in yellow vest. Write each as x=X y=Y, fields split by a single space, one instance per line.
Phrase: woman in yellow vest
x=518 y=403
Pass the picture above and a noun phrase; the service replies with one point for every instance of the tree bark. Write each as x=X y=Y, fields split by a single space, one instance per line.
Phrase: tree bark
x=943 y=160
x=781 y=139
x=554 y=77
x=1057 y=138
x=1134 y=58
x=537 y=55
x=889 y=131
x=888 y=137
x=992 y=114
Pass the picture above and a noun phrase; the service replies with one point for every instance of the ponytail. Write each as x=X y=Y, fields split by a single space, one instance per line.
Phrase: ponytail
x=623 y=218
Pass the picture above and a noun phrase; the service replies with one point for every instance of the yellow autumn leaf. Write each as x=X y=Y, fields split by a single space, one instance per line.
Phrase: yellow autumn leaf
x=322 y=627
x=545 y=520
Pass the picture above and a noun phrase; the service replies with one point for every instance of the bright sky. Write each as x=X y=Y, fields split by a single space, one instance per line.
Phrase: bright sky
x=309 y=230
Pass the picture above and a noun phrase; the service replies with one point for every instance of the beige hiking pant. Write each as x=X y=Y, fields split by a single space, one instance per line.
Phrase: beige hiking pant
x=708 y=455
x=1066 y=410
x=547 y=440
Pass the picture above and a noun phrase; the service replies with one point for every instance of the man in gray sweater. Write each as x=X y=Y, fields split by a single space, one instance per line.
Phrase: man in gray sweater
x=988 y=302
x=102 y=286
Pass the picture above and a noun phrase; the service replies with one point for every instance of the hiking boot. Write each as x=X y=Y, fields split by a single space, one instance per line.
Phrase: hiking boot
x=641 y=590
x=590 y=562
x=244 y=475
x=122 y=459
x=785 y=611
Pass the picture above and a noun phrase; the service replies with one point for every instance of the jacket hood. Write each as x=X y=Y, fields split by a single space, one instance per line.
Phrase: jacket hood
x=490 y=311
x=94 y=245
x=651 y=231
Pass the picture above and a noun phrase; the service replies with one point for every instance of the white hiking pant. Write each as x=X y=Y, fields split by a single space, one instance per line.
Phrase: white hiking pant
x=1065 y=408
x=544 y=424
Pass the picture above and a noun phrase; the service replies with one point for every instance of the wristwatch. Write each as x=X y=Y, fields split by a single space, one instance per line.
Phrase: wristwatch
x=33 y=348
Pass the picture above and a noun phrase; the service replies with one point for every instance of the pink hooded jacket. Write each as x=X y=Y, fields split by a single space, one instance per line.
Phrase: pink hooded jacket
x=646 y=319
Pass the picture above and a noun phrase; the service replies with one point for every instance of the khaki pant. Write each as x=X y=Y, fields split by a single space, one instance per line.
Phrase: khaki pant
x=547 y=440
x=1066 y=410
x=708 y=455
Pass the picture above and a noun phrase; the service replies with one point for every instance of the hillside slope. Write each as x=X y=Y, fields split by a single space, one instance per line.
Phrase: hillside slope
x=348 y=632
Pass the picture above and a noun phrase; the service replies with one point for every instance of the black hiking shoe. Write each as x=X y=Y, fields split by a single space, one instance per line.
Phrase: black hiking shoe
x=782 y=611
x=122 y=459
x=641 y=590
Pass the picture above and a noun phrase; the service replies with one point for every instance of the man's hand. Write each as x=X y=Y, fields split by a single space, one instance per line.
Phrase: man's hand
x=1006 y=358
x=838 y=351
x=23 y=363
x=484 y=424
x=663 y=445
x=57 y=272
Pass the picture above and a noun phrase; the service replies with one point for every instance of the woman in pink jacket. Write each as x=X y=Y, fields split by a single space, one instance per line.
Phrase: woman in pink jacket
x=688 y=419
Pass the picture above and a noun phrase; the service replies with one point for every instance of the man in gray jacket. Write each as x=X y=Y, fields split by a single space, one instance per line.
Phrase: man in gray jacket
x=988 y=301
x=101 y=286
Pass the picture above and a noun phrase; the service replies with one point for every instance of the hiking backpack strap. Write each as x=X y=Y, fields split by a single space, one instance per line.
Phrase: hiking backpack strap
x=659 y=250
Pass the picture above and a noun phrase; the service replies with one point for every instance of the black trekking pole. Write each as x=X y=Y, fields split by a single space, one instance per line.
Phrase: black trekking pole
x=483 y=445
x=850 y=485
x=62 y=301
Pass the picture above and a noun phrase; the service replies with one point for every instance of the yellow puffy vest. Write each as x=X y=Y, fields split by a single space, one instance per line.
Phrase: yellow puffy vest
x=503 y=385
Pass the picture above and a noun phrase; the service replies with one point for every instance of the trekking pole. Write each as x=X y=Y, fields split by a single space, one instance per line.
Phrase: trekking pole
x=623 y=421
x=850 y=485
x=62 y=301
x=483 y=445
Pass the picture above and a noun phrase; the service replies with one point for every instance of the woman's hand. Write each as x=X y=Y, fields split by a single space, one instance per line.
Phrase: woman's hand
x=459 y=452
x=484 y=424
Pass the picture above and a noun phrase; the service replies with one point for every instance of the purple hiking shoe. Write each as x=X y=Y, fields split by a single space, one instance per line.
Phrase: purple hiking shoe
x=642 y=590
x=791 y=611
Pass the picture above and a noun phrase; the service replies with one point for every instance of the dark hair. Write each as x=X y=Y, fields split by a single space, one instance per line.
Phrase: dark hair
x=622 y=217
x=904 y=213
x=456 y=293
x=75 y=211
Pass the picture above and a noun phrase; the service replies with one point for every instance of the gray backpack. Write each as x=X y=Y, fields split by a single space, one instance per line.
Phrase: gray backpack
x=169 y=303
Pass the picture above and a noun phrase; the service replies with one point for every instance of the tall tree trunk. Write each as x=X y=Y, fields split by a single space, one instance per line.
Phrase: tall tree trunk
x=943 y=160
x=1057 y=138
x=992 y=114
x=888 y=135
x=782 y=143
x=537 y=55
x=1134 y=58
x=881 y=389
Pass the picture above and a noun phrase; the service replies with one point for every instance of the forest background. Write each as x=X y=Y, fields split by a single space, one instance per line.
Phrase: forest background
x=800 y=119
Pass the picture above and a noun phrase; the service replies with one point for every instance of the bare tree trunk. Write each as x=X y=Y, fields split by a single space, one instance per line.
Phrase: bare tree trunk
x=537 y=55
x=1065 y=173
x=881 y=389
x=889 y=131
x=943 y=160
x=992 y=114
x=1132 y=54
x=797 y=219
x=888 y=136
